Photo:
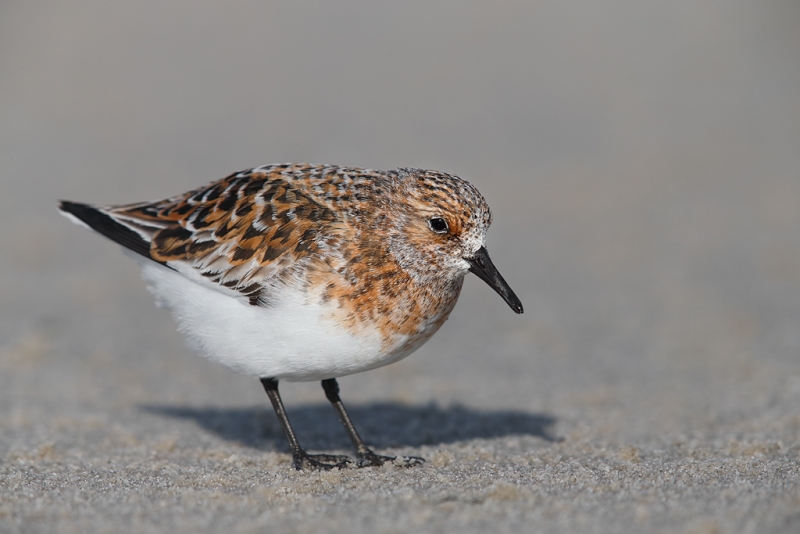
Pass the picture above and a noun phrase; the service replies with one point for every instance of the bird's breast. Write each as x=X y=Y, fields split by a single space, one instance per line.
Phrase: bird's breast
x=405 y=312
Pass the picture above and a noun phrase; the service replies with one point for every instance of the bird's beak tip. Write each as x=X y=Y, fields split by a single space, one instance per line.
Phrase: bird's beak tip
x=481 y=265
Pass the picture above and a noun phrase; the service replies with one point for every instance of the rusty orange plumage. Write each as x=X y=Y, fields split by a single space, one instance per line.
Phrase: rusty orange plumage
x=308 y=272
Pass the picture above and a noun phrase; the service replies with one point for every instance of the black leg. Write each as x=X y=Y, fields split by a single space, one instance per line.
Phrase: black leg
x=365 y=457
x=300 y=458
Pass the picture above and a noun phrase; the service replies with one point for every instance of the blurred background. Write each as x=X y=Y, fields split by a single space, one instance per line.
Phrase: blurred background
x=642 y=160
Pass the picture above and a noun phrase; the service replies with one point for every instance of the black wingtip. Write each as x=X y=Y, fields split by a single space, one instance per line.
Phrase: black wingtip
x=107 y=226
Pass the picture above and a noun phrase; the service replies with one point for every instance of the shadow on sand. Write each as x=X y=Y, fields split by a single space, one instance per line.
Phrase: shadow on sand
x=381 y=425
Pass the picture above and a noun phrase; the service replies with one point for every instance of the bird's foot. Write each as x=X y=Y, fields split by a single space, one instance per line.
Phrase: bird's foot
x=411 y=461
x=367 y=458
x=302 y=461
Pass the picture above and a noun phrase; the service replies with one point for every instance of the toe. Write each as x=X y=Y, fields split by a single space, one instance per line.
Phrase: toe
x=411 y=461
x=331 y=458
x=370 y=459
x=306 y=462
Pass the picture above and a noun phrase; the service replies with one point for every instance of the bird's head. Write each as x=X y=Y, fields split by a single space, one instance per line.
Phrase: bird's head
x=441 y=223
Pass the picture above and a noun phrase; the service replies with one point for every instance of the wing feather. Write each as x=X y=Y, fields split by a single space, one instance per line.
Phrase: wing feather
x=241 y=232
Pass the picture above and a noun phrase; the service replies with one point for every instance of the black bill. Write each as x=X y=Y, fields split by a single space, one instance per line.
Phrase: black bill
x=482 y=265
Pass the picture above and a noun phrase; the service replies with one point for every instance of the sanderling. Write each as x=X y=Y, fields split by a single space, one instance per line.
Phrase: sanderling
x=308 y=272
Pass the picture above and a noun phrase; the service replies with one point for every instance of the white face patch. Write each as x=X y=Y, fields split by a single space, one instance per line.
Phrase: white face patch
x=474 y=240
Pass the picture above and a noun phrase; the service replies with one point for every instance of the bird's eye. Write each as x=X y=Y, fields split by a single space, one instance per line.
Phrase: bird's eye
x=438 y=225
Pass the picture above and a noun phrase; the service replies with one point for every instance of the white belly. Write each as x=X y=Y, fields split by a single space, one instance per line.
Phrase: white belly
x=294 y=339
